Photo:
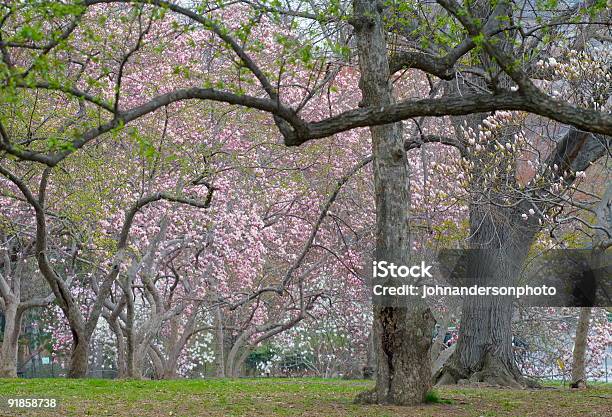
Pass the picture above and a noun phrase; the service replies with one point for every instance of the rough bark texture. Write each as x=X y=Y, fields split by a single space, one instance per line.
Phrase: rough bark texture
x=79 y=356
x=402 y=333
x=174 y=348
x=484 y=348
x=8 y=352
x=579 y=379
x=121 y=359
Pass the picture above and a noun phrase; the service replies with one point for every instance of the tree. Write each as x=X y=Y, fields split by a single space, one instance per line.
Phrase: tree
x=497 y=210
x=602 y=241
x=22 y=288
x=580 y=345
x=17 y=295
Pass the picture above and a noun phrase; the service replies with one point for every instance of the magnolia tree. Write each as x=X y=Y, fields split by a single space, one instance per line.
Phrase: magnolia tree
x=21 y=288
x=104 y=84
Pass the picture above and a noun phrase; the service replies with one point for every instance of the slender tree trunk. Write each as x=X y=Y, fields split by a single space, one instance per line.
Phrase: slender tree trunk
x=402 y=333
x=131 y=337
x=174 y=346
x=242 y=358
x=369 y=371
x=438 y=342
x=220 y=359
x=121 y=359
x=139 y=345
x=12 y=330
x=579 y=379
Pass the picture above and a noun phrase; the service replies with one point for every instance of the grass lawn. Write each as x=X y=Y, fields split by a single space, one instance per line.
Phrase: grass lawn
x=286 y=397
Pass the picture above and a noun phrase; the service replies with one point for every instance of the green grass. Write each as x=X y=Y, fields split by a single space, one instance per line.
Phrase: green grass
x=287 y=397
x=433 y=397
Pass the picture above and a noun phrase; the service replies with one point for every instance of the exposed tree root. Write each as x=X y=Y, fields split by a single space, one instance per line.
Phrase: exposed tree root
x=492 y=372
x=367 y=397
x=580 y=384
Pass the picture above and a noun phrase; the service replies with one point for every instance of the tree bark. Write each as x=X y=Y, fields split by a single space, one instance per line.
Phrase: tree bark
x=12 y=329
x=115 y=326
x=79 y=356
x=170 y=371
x=231 y=368
x=156 y=360
x=600 y=244
x=579 y=379
x=174 y=346
x=135 y=365
x=220 y=358
x=402 y=333
x=484 y=348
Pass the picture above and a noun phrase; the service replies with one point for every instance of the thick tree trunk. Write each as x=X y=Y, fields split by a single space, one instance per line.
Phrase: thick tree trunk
x=402 y=333
x=79 y=356
x=170 y=368
x=136 y=364
x=12 y=330
x=231 y=368
x=174 y=346
x=579 y=379
x=484 y=349
x=403 y=374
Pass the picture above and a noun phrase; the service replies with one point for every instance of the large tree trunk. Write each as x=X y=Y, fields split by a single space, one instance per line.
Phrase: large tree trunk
x=484 y=348
x=169 y=368
x=402 y=333
x=79 y=356
x=232 y=368
x=12 y=330
x=579 y=379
